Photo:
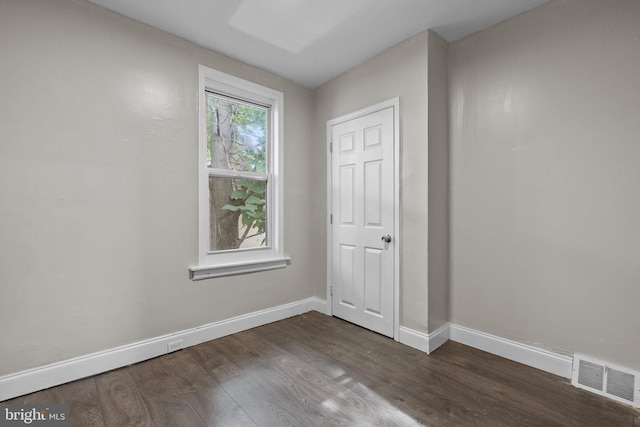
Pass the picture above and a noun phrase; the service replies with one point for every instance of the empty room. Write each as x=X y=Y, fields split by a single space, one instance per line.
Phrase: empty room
x=320 y=213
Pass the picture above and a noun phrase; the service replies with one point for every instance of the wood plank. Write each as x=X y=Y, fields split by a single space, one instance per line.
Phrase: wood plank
x=259 y=372
x=317 y=397
x=217 y=408
x=219 y=366
x=120 y=400
x=329 y=366
x=82 y=398
x=153 y=378
x=266 y=407
x=168 y=410
x=188 y=373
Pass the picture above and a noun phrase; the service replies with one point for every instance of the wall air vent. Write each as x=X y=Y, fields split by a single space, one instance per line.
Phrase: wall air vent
x=606 y=380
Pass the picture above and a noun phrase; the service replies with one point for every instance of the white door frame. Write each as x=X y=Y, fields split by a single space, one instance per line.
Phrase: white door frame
x=395 y=103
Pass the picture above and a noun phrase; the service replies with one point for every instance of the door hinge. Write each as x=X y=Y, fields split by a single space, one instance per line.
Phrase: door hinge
x=331 y=219
x=331 y=147
x=331 y=290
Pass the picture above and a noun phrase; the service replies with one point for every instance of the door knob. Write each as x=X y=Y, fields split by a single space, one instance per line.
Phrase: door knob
x=386 y=239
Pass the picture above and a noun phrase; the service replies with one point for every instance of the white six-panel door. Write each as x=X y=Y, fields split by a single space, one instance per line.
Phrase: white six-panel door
x=362 y=230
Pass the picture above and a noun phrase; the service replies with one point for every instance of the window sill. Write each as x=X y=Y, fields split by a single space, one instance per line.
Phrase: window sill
x=201 y=272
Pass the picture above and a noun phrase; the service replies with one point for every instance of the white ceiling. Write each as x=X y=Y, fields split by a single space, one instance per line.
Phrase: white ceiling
x=313 y=41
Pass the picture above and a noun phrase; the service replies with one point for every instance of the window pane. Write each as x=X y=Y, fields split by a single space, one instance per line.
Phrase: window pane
x=236 y=135
x=237 y=213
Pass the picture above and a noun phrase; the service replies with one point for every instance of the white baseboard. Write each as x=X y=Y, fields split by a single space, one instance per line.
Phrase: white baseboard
x=319 y=305
x=557 y=364
x=43 y=377
x=554 y=363
x=424 y=342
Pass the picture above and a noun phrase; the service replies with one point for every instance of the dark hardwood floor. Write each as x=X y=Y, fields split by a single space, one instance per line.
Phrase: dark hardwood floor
x=314 y=370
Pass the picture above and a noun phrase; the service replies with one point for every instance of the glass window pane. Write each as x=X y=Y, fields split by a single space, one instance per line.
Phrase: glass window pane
x=237 y=213
x=236 y=135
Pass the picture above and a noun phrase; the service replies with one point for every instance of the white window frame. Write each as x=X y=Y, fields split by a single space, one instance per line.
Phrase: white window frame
x=224 y=263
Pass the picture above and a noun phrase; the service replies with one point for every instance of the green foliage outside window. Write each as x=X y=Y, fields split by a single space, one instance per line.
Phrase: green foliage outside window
x=236 y=139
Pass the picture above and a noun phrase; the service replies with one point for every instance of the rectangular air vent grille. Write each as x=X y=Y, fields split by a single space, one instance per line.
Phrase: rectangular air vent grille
x=620 y=384
x=601 y=378
x=591 y=375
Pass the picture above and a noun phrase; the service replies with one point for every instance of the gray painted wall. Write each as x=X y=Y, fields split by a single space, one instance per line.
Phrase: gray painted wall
x=438 y=189
x=545 y=174
x=98 y=176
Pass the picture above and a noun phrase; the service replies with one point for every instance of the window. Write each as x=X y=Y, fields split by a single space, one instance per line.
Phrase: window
x=239 y=182
x=237 y=155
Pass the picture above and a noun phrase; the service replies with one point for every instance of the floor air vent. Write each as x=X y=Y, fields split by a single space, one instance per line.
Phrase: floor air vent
x=604 y=379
